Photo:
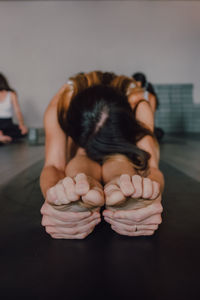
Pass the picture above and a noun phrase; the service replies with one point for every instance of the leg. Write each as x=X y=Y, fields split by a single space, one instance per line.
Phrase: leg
x=4 y=138
x=12 y=130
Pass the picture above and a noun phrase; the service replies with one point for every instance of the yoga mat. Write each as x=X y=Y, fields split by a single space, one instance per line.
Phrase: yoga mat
x=105 y=265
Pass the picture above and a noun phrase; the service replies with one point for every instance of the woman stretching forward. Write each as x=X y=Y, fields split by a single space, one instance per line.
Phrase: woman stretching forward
x=100 y=150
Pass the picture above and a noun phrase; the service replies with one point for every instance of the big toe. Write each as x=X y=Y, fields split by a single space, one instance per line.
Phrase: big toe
x=94 y=197
x=82 y=184
x=114 y=195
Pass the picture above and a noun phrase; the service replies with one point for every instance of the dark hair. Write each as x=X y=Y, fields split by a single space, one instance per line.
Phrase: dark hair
x=4 y=85
x=147 y=85
x=140 y=77
x=100 y=120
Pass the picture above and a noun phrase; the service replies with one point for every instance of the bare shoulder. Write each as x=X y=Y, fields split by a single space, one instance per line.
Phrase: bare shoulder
x=55 y=138
x=13 y=96
x=134 y=97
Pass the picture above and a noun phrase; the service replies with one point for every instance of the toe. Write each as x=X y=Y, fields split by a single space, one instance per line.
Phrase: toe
x=82 y=185
x=113 y=195
x=69 y=187
x=126 y=185
x=94 y=197
x=137 y=183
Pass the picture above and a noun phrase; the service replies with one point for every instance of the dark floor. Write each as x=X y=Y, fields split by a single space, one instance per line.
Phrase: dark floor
x=105 y=265
x=14 y=158
x=181 y=151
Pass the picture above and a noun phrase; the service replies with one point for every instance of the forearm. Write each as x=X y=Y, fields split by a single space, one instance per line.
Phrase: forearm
x=49 y=177
x=82 y=164
x=20 y=118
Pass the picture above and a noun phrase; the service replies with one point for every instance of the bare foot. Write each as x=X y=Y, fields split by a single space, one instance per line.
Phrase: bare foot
x=130 y=192
x=5 y=138
x=80 y=193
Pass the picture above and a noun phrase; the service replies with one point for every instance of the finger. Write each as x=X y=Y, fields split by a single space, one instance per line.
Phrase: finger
x=108 y=213
x=131 y=228
x=61 y=197
x=147 y=188
x=113 y=194
x=126 y=185
x=49 y=210
x=66 y=236
x=137 y=183
x=136 y=233
x=49 y=221
x=156 y=190
x=72 y=231
x=152 y=220
x=69 y=188
x=140 y=214
x=82 y=184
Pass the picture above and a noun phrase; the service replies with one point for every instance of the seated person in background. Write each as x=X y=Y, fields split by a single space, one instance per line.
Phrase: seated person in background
x=8 y=102
x=149 y=95
x=100 y=150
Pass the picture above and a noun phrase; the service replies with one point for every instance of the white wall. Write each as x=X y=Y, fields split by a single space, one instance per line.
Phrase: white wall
x=42 y=43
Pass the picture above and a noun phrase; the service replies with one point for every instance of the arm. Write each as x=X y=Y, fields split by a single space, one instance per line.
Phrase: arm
x=145 y=116
x=55 y=146
x=18 y=113
x=152 y=100
x=58 y=190
x=132 y=220
x=55 y=151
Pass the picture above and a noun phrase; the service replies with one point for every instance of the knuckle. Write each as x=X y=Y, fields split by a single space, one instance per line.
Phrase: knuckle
x=158 y=208
x=43 y=209
x=74 y=231
x=43 y=222
x=47 y=229
x=159 y=221
x=156 y=227
x=138 y=218
x=151 y=232
x=55 y=236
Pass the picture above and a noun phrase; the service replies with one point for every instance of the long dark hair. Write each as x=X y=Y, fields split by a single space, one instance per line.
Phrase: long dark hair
x=4 y=85
x=147 y=85
x=100 y=120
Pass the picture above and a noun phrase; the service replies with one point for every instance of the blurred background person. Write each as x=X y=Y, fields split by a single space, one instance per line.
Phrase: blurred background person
x=147 y=93
x=8 y=104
